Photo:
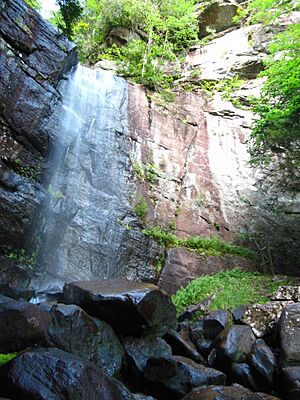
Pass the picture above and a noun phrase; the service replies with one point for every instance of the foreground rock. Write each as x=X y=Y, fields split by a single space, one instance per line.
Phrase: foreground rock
x=21 y=325
x=225 y=393
x=54 y=374
x=131 y=308
x=289 y=331
x=174 y=376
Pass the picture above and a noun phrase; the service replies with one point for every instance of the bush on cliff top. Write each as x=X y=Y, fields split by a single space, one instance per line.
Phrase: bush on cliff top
x=230 y=289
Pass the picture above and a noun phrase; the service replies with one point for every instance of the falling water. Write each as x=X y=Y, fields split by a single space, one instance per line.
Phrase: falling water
x=88 y=190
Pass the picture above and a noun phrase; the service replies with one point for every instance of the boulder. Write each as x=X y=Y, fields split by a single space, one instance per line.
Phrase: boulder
x=234 y=345
x=263 y=362
x=174 y=376
x=21 y=325
x=242 y=373
x=16 y=293
x=131 y=308
x=138 y=351
x=110 y=349
x=120 y=36
x=215 y=323
x=225 y=393
x=182 y=345
x=291 y=382
x=57 y=375
x=140 y=396
x=74 y=331
x=202 y=344
x=193 y=309
x=284 y=293
x=289 y=333
x=262 y=317
x=217 y=17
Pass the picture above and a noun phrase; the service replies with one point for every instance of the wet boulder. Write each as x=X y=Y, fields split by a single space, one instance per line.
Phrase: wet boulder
x=225 y=393
x=21 y=325
x=234 y=345
x=131 y=308
x=182 y=345
x=263 y=361
x=174 y=376
x=74 y=331
x=289 y=333
x=215 y=323
x=57 y=375
x=16 y=293
x=110 y=349
x=202 y=344
x=138 y=351
x=242 y=373
x=291 y=382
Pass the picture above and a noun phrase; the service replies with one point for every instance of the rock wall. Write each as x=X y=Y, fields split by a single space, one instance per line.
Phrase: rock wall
x=33 y=58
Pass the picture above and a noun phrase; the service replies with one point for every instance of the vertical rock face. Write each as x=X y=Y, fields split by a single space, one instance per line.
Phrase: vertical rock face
x=33 y=58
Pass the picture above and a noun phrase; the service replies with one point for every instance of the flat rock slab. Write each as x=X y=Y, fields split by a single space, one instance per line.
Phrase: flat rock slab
x=289 y=332
x=131 y=308
x=52 y=374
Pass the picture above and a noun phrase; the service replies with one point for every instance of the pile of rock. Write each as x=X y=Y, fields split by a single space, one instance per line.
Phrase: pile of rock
x=121 y=340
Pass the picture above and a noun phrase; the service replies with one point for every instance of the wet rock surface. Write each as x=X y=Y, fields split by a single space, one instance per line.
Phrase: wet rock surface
x=289 y=332
x=21 y=325
x=175 y=376
x=132 y=308
x=33 y=60
x=71 y=377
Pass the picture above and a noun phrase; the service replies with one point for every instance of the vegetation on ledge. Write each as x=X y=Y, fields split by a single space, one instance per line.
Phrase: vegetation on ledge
x=208 y=246
x=230 y=289
x=5 y=358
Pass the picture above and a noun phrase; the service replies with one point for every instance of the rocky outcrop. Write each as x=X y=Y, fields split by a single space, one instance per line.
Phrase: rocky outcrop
x=34 y=57
x=168 y=367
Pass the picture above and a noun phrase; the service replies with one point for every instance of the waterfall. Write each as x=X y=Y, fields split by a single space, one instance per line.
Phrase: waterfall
x=88 y=183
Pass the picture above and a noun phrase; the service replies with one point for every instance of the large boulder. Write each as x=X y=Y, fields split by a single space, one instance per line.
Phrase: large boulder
x=21 y=325
x=131 y=308
x=217 y=17
x=174 y=376
x=291 y=382
x=225 y=393
x=262 y=317
x=234 y=345
x=52 y=374
x=74 y=331
x=182 y=345
x=289 y=332
x=264 y=363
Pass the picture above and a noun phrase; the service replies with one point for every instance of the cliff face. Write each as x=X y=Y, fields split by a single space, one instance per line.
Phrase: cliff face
x=33 y=59
x=186 y=158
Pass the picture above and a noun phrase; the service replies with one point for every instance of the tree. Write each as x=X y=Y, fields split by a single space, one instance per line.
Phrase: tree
x=69 y=13
x=276 y=134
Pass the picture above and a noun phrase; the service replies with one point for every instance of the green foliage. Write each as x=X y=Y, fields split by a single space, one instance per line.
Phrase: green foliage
x=149 y=172
x=160 y=264
x=5 y=358
x=28 y=171
x=264 y=11
x=166 y=29
x=21 y=256
x=55 y=193
x=69 y=12
x=208 y=246
x=140 y=208
x=36 y=4
x=276 y=134
x=230 y=288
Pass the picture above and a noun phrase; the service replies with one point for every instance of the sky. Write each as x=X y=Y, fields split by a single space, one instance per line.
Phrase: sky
x=47 y=7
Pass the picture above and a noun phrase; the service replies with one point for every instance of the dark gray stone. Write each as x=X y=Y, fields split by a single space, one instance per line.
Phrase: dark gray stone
x=215 y=323
x=140 y=350
x=131 y=308
x=263 y=362
x=234 y=345
x=291 y=382
x=52 y=374
x=174 y=376
x=74 y=331
x=242 y=373
x=182 y=345
x=16 y=293
x=21 y=325
x=110 y=349
x=289 y=333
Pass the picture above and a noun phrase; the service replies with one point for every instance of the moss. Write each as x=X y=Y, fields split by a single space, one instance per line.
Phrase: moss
x=5 y=358
x=230 y=289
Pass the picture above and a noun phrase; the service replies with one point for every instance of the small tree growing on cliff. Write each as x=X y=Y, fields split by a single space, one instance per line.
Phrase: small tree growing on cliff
x=69 y=13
